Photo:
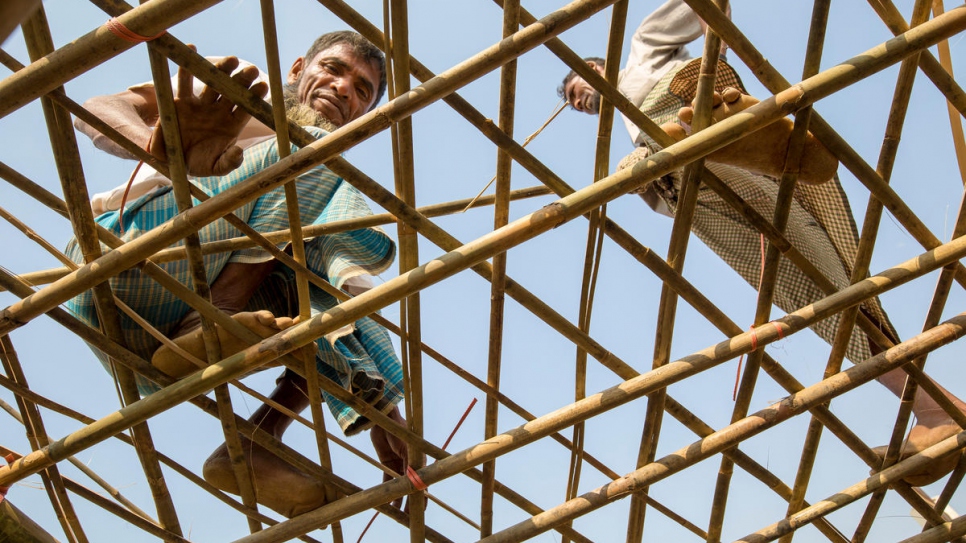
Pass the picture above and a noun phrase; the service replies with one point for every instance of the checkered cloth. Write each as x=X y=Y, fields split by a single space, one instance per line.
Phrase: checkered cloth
x=361 y=360
x=820 y=226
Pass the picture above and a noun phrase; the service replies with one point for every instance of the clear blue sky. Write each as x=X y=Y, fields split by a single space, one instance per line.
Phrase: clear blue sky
x=453 y=161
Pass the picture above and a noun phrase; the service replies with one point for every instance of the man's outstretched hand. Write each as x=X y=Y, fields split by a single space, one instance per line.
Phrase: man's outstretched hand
x=210 y=123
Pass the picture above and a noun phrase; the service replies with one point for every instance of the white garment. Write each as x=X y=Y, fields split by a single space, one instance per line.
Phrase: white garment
x=657 y=46
x=147 y=179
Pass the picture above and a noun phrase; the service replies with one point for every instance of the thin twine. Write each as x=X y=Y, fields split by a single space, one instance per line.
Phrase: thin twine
x=411 y=473
x=130 y=183
x=559 y=107
x=118 y=29
x=754 y=335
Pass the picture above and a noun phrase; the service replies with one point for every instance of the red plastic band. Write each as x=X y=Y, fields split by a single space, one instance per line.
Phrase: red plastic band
x=3 y=489
x=781 y=335
x=754 y=339
x=118 y=29
x=418 y=483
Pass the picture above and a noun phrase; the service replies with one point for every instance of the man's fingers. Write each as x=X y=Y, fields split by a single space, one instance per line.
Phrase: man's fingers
x=260 y=89
x=246 y=76
x=228 y=161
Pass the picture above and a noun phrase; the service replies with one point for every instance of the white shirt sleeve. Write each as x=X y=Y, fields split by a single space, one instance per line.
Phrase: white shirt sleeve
x=657 y=46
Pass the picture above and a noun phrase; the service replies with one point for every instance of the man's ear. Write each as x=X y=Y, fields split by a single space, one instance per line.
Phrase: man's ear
x=599 y=68
x=295 y=71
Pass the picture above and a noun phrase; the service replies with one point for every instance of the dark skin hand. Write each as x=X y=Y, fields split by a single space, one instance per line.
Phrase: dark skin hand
x=209 y=123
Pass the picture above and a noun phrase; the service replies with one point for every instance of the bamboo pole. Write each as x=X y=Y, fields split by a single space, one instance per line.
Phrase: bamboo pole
x=955 y=123
x=501 y=217
x=16 y=527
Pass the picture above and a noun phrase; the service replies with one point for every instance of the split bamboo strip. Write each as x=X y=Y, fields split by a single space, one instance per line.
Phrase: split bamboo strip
x=39 y=43
x=661 y=377
x=849 y=158
x=42 y=277
x=751 y=426
x=37 y=437
x=91 y=49
x=501 y=217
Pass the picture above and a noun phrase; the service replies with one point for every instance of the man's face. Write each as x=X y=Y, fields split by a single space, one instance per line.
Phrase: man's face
x=581 y=96
x=337 y=83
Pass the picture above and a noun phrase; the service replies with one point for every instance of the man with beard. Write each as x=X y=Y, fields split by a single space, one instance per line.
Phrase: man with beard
x=341 y=77
x=660 y=78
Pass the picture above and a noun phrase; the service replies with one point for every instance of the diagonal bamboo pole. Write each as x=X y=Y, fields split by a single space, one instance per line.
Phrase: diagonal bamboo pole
x=501 y=216
x=91 y=49
x=37 y=437
x=955 y=122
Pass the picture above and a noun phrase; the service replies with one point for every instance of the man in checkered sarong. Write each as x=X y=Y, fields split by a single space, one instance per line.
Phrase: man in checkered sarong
x=660 y=78
x=341 y=77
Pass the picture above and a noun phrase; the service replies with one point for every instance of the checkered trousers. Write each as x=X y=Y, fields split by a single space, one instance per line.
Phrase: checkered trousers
x=820 y=226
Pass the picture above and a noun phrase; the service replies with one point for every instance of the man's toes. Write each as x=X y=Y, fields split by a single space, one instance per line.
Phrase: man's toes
x=685 y=114
x=730 y=95
x=674 y=130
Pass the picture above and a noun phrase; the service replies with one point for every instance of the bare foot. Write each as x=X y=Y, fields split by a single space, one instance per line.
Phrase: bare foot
x=762 y=151
x=920 y=438
x=278 y=485
x=263 y=323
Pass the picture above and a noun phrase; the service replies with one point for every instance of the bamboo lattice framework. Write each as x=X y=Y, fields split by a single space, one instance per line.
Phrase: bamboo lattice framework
x=604 y=361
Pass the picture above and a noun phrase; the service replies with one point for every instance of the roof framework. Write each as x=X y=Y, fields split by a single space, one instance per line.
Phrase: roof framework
x=570 y=426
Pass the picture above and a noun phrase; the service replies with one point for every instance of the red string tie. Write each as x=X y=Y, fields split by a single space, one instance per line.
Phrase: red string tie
x=418 y=483
x=118 y=29
x=3 y=489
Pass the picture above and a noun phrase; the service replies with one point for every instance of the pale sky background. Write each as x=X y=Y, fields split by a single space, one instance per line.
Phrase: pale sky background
x=453 y=161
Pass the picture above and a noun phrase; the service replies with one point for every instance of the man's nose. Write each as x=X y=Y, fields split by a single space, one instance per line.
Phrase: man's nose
x=342 y=86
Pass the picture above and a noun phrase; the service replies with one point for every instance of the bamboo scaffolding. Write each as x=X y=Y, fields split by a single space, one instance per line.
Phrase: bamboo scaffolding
x=474 y=255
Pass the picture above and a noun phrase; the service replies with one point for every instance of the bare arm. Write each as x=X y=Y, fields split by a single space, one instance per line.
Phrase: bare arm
x=209 y=124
